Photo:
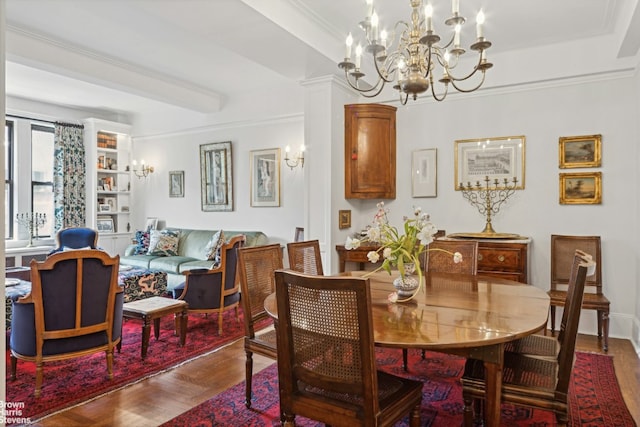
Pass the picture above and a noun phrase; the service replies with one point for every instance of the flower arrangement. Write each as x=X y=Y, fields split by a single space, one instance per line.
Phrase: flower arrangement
x=401 y=250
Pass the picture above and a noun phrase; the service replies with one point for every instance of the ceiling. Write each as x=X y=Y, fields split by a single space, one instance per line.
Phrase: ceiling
x=142 y=56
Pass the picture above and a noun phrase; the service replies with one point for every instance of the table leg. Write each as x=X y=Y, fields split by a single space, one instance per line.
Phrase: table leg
x=156 y=328
x=493 y=381
x=183 y=327
x=146 y=332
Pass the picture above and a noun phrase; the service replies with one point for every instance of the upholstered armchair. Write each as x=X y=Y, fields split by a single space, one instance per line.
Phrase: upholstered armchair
x=76 y=238
x=214 y=290
x=74 y=309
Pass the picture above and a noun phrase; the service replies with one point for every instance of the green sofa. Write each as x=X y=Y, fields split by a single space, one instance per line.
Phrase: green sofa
x=191 y=253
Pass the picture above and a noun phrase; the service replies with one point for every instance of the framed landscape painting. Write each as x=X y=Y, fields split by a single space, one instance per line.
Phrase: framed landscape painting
x=581 y=188
x=580 y=151
x=498 y=158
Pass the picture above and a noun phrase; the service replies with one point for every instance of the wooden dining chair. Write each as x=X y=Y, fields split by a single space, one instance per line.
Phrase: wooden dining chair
x=533 y=381
x=256 y=267
x=562 y=246
x=304 y=257
x=326 y=357
x=438 y=261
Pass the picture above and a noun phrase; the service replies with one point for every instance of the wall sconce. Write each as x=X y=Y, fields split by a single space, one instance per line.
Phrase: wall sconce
x=298 y=159
x=144 y=169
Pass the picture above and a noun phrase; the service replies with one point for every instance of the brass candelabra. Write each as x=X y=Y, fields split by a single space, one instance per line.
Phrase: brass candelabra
x=31 y=221
x=488 y=199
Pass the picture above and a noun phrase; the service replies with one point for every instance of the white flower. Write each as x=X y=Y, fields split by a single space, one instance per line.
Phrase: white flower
x=373 y=234
x=426 y=233
x=373 y=256
x=457 y=257
x=386 y=253
x=393 y=297
x=352 y=243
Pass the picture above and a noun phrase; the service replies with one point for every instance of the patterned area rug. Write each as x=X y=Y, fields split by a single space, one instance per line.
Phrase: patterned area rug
x=69 y=382
x=595 y=397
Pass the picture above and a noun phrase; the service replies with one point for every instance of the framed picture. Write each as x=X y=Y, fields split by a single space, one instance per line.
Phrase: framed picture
x=103 y=207
x=299 y=234
x=104 y=224
x=424 y=173
x=581 y=188
x=498 y=158
x=580 y=151
x=176 y=184
x=265 y=177
x=111 y=201
x=344 y=219
x=216 y=183
x=151 y=224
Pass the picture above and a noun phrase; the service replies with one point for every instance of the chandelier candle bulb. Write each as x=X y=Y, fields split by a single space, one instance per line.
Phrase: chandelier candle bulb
x=456 y=37
x=349 y=44
x=428 y=13
x=479 y=22
x=455 y=6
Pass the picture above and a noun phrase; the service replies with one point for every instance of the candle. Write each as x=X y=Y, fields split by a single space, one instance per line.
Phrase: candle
x=374 y=26
x=479 y=22
x=287 y=149
x=455 y=6
x=369 y=8
x=358 y=55
x=349 y=43
x=456 y=36
x=428 y=13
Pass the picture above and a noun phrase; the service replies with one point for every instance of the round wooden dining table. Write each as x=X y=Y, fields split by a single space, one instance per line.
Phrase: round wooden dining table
x=470 y=316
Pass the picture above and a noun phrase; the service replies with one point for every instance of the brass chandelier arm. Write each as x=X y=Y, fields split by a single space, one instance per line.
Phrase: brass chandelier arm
x=459 y=89
x=365 y=92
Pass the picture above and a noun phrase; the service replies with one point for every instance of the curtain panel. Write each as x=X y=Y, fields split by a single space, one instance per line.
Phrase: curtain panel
x=69 y=177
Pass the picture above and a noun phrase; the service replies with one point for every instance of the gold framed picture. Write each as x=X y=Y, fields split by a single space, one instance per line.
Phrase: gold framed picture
x=344 y=219
x=581 y=188
x=580 y=151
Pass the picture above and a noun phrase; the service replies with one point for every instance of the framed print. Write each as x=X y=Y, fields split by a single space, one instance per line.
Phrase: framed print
x=111 y=201
x=176 y=184
x=498 y=158
x=265 y=177
x=299 y=234
x=581 y=188
x=216 y=182
x=151 y=224
x=580 y=151
x=344 y=219
x=104 y=224
x=103 y=207
x=424 y=173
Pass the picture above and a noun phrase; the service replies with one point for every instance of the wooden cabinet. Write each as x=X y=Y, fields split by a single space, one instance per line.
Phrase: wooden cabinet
x=508 y=260
x=358 y=255
x=370 y=151
x=109 y=182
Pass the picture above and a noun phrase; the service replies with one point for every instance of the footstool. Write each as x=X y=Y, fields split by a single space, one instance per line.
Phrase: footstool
x=154 y=308
x=140 y=283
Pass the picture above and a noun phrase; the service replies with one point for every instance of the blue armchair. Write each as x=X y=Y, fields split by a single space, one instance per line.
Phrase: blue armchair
x=74 y=309
x=76 y=238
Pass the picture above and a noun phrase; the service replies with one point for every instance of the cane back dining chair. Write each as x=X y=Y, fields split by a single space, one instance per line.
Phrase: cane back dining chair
x=439 y=259
x=534 y=381
x=214 y=290
x=326 y=357
x=562 y=246
x=74 y=309
x=304 y=257
x=256 y=266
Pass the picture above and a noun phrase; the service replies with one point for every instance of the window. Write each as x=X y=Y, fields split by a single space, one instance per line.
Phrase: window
x=42 y=178
x=8 y=179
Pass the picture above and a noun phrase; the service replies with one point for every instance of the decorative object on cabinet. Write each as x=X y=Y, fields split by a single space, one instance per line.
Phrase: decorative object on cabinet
x=580 y=151
x=142 y=170
x=344 y=219
x=216 y=177
x=488 y=201
x=298 y=158
x=176 y=184
x=370 y=151
x=103 y=207
x=31 y=221
x=424 y=173
x=105 y=224
x=265 y=177
x=412 y=59
x=498 y=158
x=584 y=188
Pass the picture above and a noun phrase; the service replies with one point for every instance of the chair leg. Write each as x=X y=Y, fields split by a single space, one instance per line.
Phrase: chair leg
x=220 y=322
x=38 y=378
x=414 y=420
x=405 y=357
x=467 y=411
x=248 y=376
x=109 y=354
x=14 y=367
x=605 y=330
x=553 y=319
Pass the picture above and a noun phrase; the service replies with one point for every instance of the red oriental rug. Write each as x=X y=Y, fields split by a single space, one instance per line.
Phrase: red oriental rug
x=67 y=383
x=595 y=396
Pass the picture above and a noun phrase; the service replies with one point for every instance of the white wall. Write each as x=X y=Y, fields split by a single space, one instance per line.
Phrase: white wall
x=180 y=151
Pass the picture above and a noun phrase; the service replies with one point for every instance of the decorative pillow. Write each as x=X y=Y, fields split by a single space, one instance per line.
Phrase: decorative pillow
x=142 y=243
x=217 y=258
x=163 y=242
x=213 y=246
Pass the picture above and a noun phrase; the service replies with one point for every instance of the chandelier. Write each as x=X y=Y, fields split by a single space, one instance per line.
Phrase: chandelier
x=411 y=61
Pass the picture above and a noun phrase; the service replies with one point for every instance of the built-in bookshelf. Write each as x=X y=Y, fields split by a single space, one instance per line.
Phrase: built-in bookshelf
x=108 y=148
